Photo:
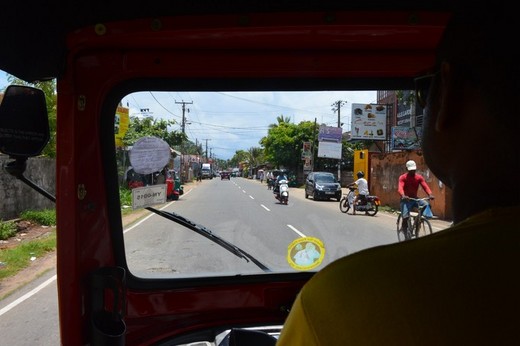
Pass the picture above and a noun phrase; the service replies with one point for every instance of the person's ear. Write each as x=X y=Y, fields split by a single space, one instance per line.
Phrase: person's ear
x=450 y=96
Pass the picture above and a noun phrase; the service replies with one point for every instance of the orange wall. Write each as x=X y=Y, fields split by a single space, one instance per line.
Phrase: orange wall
x=385 y=170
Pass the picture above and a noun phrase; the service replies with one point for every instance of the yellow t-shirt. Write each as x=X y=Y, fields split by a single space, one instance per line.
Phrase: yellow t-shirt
x=460 y=286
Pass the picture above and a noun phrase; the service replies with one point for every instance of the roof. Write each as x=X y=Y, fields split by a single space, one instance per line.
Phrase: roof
x=34 y=32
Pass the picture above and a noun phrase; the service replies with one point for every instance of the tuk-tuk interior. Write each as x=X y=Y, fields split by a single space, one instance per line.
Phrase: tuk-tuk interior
x=100 y=52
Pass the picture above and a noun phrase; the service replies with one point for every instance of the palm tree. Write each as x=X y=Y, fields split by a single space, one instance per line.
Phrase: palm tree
x=280 y=120
x=255 y=156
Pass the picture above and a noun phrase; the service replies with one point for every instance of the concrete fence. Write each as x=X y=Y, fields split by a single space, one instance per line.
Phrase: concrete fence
x=16 y=196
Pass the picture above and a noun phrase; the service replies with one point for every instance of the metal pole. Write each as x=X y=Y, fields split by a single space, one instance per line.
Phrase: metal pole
x=341 y=141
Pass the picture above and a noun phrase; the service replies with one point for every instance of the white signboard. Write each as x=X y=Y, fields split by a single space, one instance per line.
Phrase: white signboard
x=368 y=121
x=330 y=150
x=149 y=155
x=146 y=196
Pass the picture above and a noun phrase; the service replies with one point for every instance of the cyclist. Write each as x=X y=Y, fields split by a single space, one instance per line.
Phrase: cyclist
x=408 y=187
x=362 y=186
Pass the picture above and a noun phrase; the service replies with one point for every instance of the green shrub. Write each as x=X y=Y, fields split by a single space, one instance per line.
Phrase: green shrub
x=7 y=229
x=43 y=217
x=125 y=196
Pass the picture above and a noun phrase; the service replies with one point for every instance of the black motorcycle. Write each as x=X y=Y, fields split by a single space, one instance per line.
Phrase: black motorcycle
x=368 y=204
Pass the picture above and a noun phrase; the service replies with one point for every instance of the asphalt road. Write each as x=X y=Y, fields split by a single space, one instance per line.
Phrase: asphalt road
x=30 y=315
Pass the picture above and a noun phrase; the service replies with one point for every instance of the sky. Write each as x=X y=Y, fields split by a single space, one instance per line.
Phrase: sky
x=229 y=121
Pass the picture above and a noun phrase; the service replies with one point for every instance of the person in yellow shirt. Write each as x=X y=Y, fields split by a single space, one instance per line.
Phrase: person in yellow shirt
x=458 y=286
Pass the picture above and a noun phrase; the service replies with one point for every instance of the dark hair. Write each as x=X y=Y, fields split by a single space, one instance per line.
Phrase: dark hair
x=480 y=42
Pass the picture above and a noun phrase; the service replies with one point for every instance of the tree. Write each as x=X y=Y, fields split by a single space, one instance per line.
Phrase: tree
x=255 y=156
x=49 y=89
x=239 y=157
x=284 y=141
x=142 y=127
x=280 y=120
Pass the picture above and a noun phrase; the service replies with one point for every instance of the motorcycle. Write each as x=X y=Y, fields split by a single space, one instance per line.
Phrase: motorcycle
x=281 y=192
x=369 y=204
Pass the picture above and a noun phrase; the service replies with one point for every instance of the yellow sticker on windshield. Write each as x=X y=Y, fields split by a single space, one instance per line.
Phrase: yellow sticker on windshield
x=305 y=253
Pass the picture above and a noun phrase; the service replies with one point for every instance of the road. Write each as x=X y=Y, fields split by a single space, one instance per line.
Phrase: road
x=241 y=211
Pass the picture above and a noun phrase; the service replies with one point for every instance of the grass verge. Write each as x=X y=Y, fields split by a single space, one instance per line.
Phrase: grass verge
x=19 y=257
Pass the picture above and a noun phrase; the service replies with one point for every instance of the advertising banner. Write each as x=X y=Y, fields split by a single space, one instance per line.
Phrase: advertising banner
x=121 y=124
x=406 y=138
x=330 y=134
x=368 y=121
x=306 y=150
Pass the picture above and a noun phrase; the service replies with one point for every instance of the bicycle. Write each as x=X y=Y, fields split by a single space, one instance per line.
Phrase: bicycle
x=418 y=225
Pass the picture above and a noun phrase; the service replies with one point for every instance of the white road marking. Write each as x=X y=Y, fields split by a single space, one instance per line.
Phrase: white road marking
x=27 y=295
x=263 y=206
x=296 y=231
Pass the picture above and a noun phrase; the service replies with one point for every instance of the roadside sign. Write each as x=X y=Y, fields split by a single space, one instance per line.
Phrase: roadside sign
x=146 y=196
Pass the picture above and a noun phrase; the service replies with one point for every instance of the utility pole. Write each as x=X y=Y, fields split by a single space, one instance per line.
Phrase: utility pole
x=183 y=122
x=336 y=106
x=183 y=128
x=314 y=144
x=206 y=139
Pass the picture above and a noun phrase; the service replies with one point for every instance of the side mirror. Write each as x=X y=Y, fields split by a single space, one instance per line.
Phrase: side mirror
x=24 y=124
x=24 y=130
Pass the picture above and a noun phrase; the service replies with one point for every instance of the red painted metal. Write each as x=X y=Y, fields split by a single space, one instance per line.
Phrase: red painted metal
x=280 y=45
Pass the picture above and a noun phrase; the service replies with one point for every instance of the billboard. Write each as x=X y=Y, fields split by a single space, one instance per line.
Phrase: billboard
x=368 y=121
x=330 y=134
x=406 y=138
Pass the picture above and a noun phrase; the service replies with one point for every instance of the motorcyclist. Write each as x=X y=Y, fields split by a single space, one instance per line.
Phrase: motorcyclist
x=362 y=186
x=280 y=177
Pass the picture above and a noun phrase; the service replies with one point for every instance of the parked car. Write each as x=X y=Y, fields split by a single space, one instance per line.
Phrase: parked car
x=225 y=175
x=322 y=185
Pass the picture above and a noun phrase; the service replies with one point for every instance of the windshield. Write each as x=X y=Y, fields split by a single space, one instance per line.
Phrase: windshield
x=325 y=179
x=236 y=224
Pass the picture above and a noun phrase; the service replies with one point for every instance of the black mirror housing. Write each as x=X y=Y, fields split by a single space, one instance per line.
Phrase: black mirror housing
x=24 y=123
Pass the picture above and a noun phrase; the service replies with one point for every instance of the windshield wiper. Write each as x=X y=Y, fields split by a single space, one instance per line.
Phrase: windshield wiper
x=181 y=220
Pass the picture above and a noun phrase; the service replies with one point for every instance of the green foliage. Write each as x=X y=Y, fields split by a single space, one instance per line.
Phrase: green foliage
x=7 y=229
x=240 y=156
x=43 y=217
x=284 y=140
x=125 y=196
x=143 y=127
x=406 y=97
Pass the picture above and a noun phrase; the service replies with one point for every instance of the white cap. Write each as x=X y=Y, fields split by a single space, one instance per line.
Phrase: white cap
x=411 y=166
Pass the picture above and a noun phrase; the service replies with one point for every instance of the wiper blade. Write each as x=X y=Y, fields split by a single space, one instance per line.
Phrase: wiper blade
x=181 y=220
